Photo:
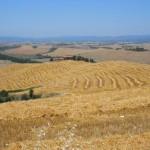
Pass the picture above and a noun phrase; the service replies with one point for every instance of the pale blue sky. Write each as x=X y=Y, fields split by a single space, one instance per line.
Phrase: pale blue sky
x=48 y=18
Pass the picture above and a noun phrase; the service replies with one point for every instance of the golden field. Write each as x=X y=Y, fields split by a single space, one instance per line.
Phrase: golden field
x=100 y=106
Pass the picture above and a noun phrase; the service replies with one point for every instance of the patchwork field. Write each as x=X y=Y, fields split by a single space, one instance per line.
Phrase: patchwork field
x=108 y=52
x=100 y=106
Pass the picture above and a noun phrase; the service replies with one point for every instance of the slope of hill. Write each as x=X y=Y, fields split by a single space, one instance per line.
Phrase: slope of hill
x=100 y=106
x=114 y=52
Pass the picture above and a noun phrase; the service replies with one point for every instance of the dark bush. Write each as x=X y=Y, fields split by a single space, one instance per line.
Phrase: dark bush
x=51 y=59
x=3 y=93
x=34 y=46
x=4 y=96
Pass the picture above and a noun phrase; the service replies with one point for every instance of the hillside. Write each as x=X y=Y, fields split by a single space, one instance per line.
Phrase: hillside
x=113 y=52
x=100 y=106
x=27 y=50
x=117 y=55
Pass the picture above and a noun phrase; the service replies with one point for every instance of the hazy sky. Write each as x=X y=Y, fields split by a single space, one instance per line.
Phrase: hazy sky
x=38 y=18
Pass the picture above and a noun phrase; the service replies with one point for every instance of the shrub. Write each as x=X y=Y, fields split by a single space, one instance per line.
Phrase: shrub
x=52 y=49
x=51 y=59
x=4 y=96
x=86 y=60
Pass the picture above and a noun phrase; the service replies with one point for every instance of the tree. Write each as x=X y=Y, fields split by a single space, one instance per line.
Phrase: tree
x=4 y=96
x=86 y=60
x=31 y=93
x=51 y=59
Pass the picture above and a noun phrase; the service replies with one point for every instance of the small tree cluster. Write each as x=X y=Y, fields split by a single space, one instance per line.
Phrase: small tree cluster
x=4 y=96
x=137 y=48
x=81 y=58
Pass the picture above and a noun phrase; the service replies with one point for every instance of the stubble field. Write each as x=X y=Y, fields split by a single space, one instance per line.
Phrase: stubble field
x=100 y=106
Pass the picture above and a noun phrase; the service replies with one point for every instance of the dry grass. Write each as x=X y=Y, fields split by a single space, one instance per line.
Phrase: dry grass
x=4 y=63
x=103 y=106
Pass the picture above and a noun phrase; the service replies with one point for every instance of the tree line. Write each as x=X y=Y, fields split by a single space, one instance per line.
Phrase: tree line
x=16 y=59
x=76 y=58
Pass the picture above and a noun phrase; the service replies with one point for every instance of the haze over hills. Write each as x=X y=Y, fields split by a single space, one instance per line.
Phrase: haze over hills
x=101 y=39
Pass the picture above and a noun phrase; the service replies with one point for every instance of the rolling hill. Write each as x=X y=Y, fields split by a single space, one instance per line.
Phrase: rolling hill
x=100 y=106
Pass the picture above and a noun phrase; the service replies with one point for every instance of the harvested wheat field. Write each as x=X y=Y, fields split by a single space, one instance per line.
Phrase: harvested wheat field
x=100 y=106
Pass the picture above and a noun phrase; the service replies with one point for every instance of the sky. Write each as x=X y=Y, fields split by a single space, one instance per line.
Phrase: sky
x=49 y=18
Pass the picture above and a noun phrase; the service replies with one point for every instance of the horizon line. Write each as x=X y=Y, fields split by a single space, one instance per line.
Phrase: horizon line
x=68 y=36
